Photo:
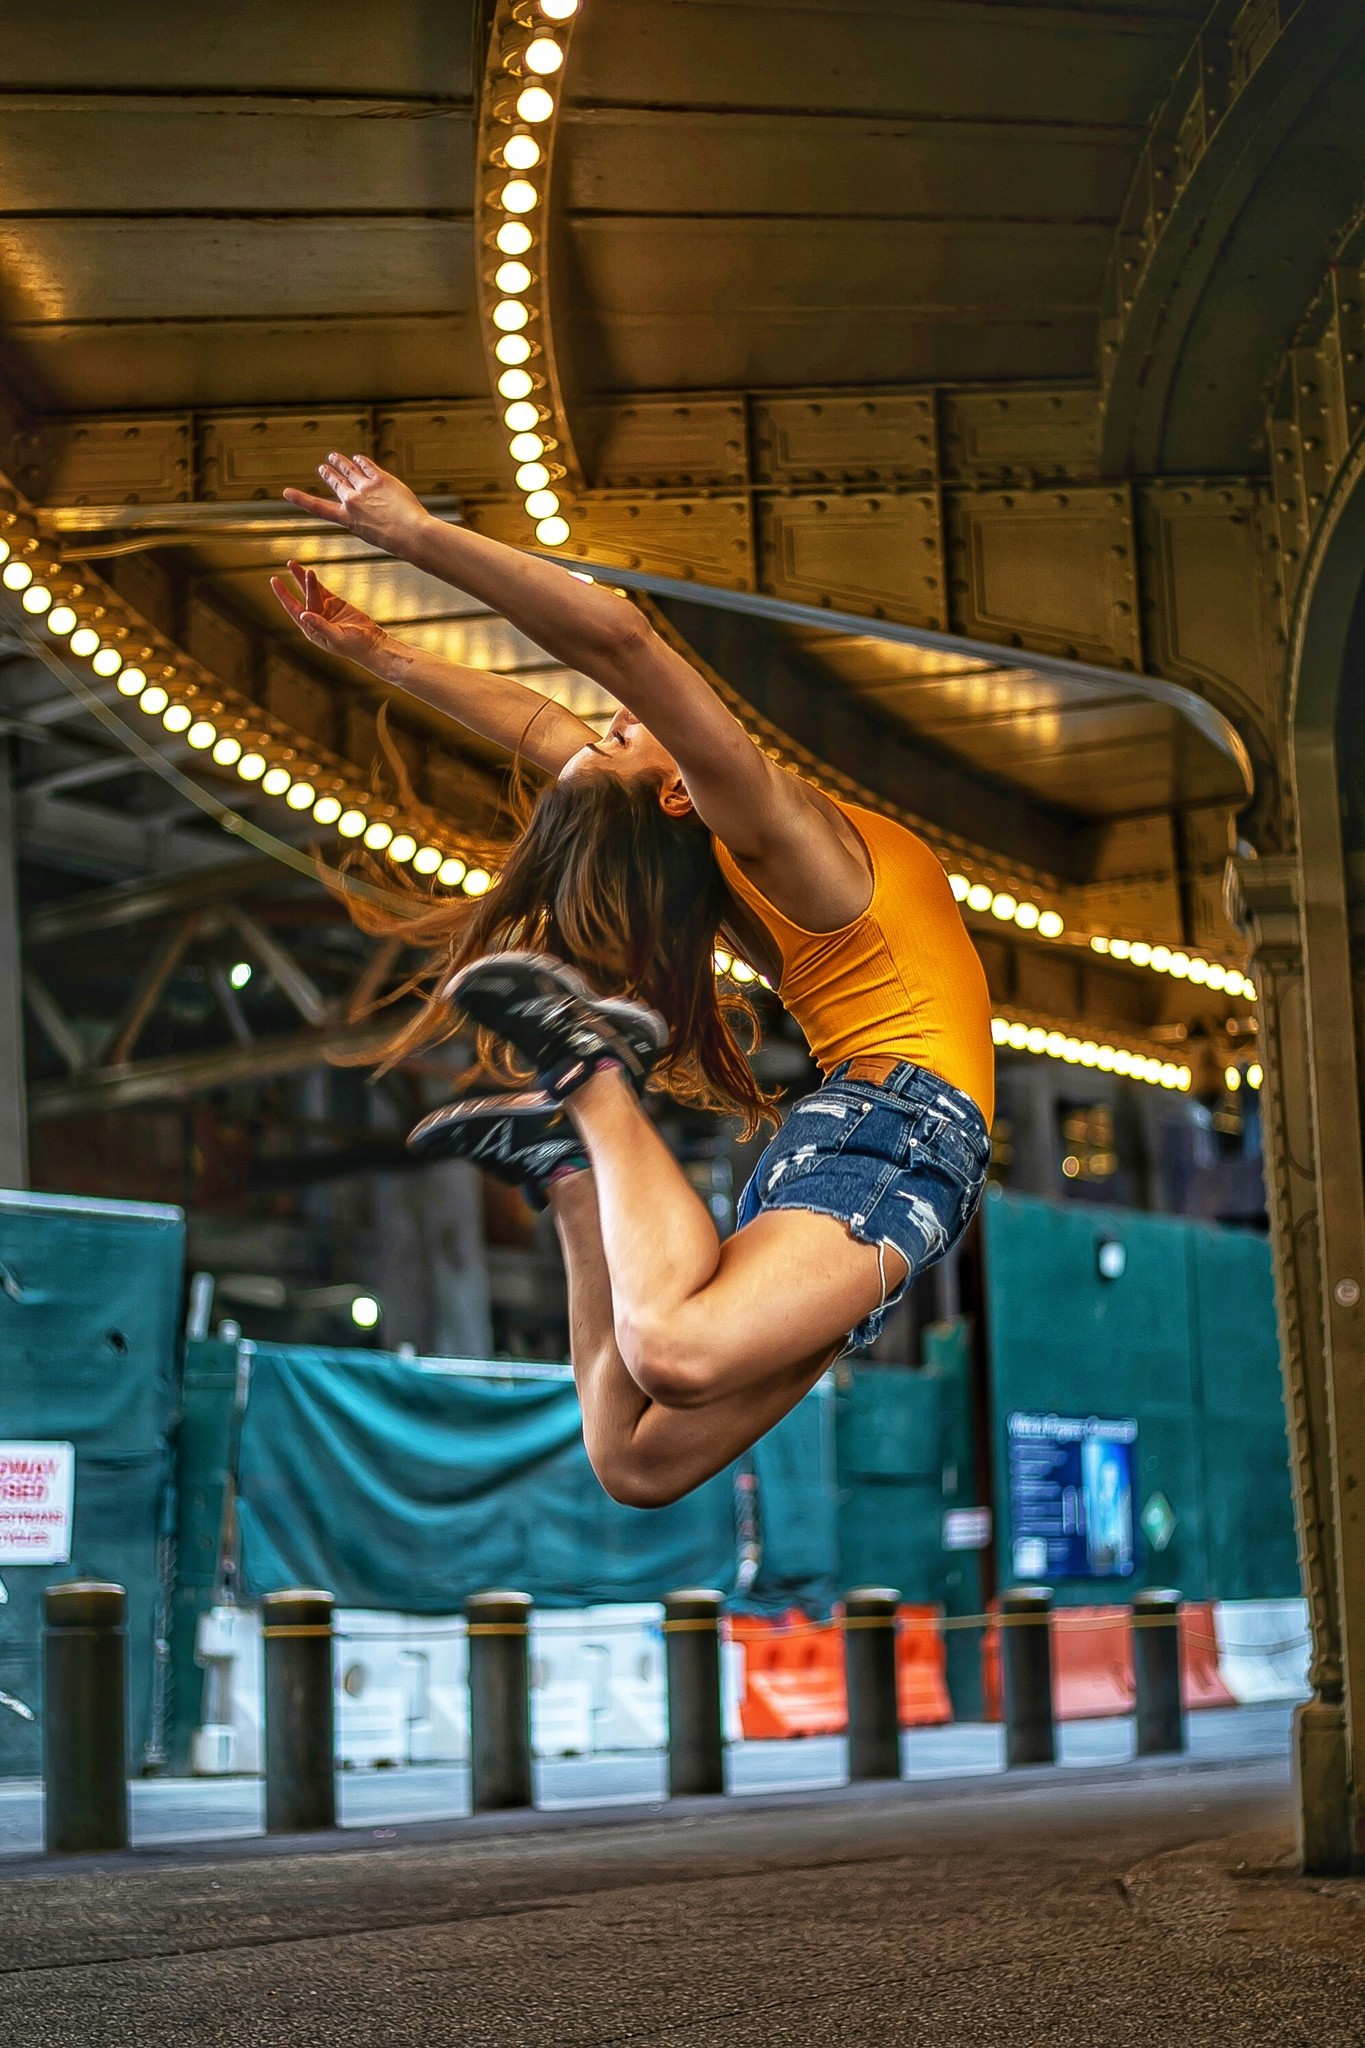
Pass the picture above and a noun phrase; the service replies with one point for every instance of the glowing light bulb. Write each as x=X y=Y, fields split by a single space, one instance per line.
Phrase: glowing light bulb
x=107 y=662
x=1180 y=965
x=84 y=641
x=228 y=751
x=1119 y=949
x=1199 y=972
x=177 y=717
x=542 y=504
x=1053 y=1045
x=1254 y=1075
x=510 y=316
x=202 y=734
x=477 y=882
x=521 y=152
x=533 y=476
x=327 y=810
x=1026 y=917
x=1232 y=1079
x=61 y=619
x=153 y=700
x=959 y=886
x=1105 y=1059
x=299 y=796
x=979 y=896
x=251 y=767
x=427 y=859
x=1140 y=953
x=131 y=682
x=1170 y=1074
x=743 y=972
x=1161 y=959
x=558 y=10
x=535 y=104
x=16 y=575
x=519 y=195
x=36 y=598
x=1000 y=1030
x=511 y=348
x=452 y=872
x=515 y=383
x=520 y=418
x=1036 y=1040
x=4 y=550
x=543 y=56
x=239 y=974
x=1017 y=1036
x=351 y=824
x=365 y=1312
x=527 y=448
x=1183 y=1079
x=512 y=278
x=721 y=961
x=1050 y=925
x=1217 y=975
x=402 y=847
x=552 y=533
x=276 y=781
x=514 y=238
x=378 y=835
x=1004 y=906
x=1099 y=945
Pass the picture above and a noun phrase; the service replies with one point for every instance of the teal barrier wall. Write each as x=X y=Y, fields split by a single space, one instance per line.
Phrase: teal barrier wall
x=89 y=1297
x=1184 y=1341
x=401 y=1487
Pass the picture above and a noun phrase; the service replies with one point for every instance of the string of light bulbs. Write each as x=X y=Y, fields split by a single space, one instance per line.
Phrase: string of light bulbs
x=281 y=765
x=529 y=43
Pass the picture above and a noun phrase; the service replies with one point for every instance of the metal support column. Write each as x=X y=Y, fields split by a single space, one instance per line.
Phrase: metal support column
x=13 y=1086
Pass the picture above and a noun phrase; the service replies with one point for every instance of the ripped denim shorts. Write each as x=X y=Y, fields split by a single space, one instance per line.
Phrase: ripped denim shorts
x=899 y=1162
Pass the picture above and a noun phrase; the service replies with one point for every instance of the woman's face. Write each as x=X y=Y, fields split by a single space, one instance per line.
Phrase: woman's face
x=627 y=749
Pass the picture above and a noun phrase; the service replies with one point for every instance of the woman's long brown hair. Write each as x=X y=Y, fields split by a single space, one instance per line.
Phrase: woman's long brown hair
x=602 y=877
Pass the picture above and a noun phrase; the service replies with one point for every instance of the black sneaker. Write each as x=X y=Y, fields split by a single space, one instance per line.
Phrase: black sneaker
x=519 y=1138
x=548 y=1013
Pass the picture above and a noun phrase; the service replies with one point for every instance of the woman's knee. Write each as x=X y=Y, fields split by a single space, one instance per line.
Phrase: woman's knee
x=634 y=1482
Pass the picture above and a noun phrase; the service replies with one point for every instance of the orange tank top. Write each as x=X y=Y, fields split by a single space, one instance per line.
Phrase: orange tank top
x=903 y=978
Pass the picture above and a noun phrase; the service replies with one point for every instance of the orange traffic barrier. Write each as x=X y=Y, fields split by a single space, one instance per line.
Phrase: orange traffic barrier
x=1201 y=1679
x=1092 y=1663
x=921 y=1669
x=794 y=1674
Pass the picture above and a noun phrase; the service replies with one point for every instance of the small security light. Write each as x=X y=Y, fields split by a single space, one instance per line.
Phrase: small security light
x=1111 y=1259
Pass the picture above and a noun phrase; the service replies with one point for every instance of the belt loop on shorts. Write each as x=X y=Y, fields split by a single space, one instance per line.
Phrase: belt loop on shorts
x=875 y=1067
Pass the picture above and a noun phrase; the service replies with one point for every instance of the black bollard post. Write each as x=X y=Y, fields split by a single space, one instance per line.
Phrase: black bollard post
x=1026 y=1660
x=874 y=1733
x=300 y=1782
x=1156 y=1673
x=500 y=1701
x=85 y=1718
x=696 y=1732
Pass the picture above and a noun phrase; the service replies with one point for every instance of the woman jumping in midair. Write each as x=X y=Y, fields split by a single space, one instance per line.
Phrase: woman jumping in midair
x=592 y=961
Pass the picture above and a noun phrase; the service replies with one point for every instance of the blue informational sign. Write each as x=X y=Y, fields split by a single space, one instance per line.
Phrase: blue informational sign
x=1071 y=1496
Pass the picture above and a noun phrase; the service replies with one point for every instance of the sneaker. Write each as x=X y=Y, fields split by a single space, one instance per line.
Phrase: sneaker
x=519 y=1138
x=548 y=1013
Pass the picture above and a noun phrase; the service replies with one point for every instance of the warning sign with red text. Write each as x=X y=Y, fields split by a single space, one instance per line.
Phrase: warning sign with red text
x=37 y=1484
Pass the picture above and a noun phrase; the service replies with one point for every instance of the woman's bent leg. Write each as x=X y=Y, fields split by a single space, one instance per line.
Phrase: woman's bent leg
x=644 y=1454
x=697 y=1320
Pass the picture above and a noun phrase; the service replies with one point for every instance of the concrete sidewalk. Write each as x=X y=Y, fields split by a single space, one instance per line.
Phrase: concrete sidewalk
x=1106 y=1908
x=205 y=1809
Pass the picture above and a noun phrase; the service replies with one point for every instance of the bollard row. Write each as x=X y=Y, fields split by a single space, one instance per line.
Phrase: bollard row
x=85 y=1725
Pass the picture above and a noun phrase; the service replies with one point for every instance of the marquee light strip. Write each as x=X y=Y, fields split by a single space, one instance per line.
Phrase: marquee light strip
x=518 y=123
x=91 y=623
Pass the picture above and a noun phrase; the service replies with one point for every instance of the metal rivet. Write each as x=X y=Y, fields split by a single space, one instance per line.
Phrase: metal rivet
x=1346 y=1293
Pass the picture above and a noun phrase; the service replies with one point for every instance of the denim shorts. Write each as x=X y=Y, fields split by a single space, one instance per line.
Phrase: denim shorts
x=899 y=1162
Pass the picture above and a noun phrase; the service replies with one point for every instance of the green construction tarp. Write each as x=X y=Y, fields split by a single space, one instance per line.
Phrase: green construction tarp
x=89 y=1304
x=396 y=1486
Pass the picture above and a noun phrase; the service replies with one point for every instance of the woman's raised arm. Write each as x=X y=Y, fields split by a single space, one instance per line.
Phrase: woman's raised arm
x=513 y=717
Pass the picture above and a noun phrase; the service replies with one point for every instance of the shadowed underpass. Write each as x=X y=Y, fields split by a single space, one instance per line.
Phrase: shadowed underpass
x=1152 y=1907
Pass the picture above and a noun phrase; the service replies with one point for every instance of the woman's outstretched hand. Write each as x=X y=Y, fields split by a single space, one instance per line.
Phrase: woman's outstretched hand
x=368 y=502
x=330 y=622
